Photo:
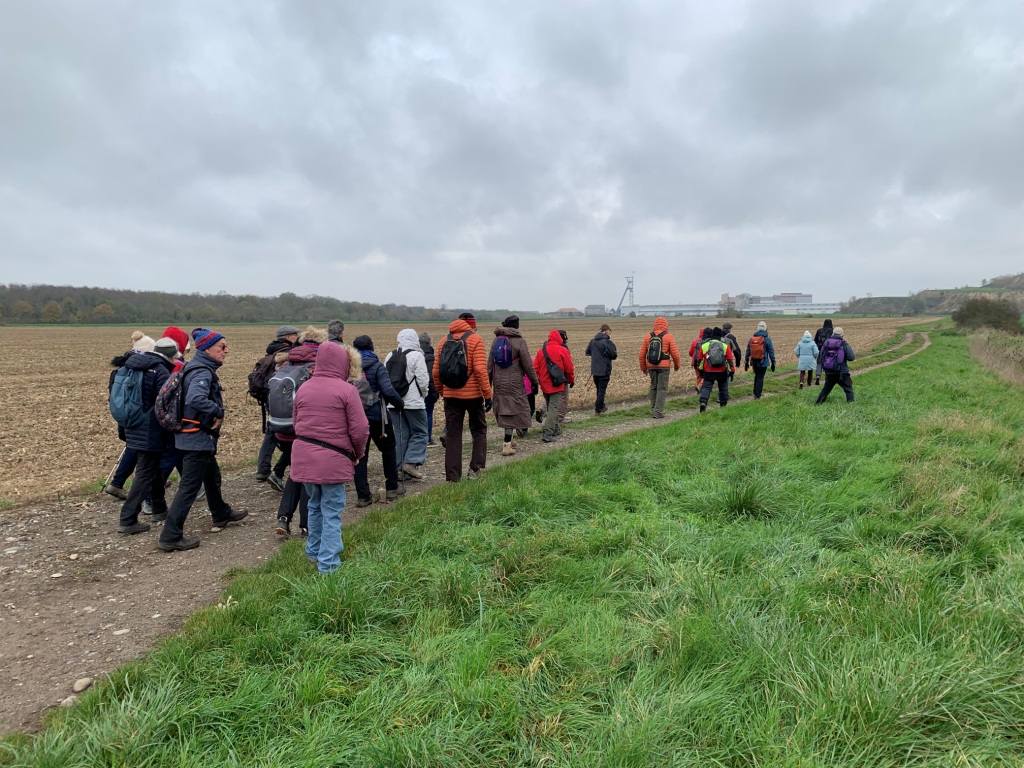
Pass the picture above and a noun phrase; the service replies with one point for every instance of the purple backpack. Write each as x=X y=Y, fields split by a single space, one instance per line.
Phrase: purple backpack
x=833 y=355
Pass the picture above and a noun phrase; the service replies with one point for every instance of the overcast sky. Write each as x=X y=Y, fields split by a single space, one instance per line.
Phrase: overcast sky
x=512 y=154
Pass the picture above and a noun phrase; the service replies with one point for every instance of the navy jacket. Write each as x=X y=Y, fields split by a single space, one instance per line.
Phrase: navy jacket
x=149 y=437
x=203 y=402
x=380 y=382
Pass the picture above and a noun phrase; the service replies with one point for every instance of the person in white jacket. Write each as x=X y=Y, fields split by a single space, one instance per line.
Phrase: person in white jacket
x=411 y=424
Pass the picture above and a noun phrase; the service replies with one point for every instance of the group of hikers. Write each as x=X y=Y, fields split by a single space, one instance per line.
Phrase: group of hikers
x=324 y=402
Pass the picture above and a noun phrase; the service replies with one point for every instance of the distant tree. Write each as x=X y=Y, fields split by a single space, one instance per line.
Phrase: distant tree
x=978 y=313
x=103 y=313
x=51 y=312
x=23 y=310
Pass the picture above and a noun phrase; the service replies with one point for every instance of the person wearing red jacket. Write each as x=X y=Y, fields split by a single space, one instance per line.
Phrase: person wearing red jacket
x=552 y=356
x=473 y=398
x=659 y=371
x=707 y=356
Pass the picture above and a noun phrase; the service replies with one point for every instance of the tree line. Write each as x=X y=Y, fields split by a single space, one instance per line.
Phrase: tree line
x=69 y=305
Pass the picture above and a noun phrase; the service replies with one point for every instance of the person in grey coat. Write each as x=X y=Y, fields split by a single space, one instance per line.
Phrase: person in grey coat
x=601 y=351
x=202 y=417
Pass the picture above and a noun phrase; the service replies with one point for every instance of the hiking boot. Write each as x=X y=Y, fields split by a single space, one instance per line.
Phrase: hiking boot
x=539 y=416
x=364 y=502
x=392 y=495
x=513 y=443
x=233 y=517
x=262 y=478
x=284 y=528
x=411 y=470
x=801 y=385
x=474 y=474
x=657 y=415
x=547 y=438
x=178 y=546
x=116 y=491
x=443 y=441
x=508 y=450
x=131 y=530
x=722 y=405
x=817 y=382
x=276 y=483
x=158 y=517
x=202 y=494
x=522 y=432
x=703 y=407
x=147 y=507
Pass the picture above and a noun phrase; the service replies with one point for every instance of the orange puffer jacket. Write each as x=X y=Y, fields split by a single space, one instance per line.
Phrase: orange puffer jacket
x=478 y=384
x=668 y=347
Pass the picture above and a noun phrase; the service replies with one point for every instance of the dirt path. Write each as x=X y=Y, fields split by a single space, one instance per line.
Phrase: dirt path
x=79 y=600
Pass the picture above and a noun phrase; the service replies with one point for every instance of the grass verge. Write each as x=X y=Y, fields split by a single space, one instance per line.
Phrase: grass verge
x=769 y=584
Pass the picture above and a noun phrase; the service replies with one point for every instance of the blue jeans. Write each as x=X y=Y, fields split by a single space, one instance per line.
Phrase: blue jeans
x=326 y=503
x=410 y=438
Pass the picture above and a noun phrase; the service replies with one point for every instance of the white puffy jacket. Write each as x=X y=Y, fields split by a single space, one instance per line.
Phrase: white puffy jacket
x=415 y=369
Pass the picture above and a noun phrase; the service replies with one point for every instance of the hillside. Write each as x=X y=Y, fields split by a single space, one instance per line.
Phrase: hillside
x=940 y=301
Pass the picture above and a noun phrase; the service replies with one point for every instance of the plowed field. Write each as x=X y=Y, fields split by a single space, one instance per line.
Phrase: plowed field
x=57 y=437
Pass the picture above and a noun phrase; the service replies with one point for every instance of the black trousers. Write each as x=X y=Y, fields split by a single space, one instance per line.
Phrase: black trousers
x=384 y=438
x=199 y=470
x=455 y=411
x=294 y=495
x=844 y=381
x=759 y=373
x=601 y=384
x=148 y=483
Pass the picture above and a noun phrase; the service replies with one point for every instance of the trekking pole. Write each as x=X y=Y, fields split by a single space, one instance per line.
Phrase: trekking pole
x=116 y=465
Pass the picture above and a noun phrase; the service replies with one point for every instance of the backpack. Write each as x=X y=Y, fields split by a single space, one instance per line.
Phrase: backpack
x=453 y=368
x=126 y=398
x=366 y=393
x=833 y=355
x=501 y=351
x=654 y=353
x=170 y=404
x=555 y=372
x=397 y=367
x=757 y=348
x=260 y=377
x=715 y=355
x=281 y=391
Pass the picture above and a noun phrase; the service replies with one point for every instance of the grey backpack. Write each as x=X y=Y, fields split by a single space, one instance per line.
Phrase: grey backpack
x=281 y=391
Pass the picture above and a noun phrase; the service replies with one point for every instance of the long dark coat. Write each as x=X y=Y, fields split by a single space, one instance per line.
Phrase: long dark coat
x=510 y=404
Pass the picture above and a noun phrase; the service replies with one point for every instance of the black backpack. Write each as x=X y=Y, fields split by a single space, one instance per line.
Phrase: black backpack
x=654 y=353
x=398 y=367
x=259 y=379
x=555 y=372
x=453 y=367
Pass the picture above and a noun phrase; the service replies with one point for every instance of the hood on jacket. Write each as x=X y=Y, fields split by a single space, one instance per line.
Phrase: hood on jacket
x=368 y=358
x=459 y=327
x=303 y=353
x=827 y=324
x=332 y=361
x=278 y=345
x=512 y=333
x=660 y=325
x=554 y=338
x=408 y=339
x=807 y=336
x=143 y=361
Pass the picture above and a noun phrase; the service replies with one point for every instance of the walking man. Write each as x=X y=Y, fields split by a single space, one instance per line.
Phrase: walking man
x=601 y=351
x=460 y=377
x=203 y=415
x=835 y=354
x=718 y=365
x=761 y=354
x=285 y=338
x=659 y=355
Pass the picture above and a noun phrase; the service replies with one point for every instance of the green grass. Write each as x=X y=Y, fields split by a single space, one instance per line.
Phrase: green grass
x=772 y=584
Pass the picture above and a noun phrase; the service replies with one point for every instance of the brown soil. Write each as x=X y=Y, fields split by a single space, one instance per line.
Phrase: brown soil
x=79 y=600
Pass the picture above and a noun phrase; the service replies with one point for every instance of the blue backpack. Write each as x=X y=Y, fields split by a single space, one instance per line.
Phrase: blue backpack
x=501 y=351
x=126 y=398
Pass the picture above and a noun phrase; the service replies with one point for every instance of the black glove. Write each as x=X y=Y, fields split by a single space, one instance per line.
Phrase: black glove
x=731 y=374
x=571 y=384
x=773 y=366
x=746 y=366
x=398 y=406
x=487 y=405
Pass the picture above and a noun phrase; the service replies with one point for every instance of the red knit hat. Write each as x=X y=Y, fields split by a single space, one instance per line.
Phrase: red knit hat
x=179 y=336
